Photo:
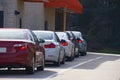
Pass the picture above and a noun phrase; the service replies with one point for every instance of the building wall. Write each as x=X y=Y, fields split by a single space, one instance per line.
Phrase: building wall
x=20 y=5
x=33 y=17
x=50 y=18
x=29 y=14
x=9 y=7
x=1 y=6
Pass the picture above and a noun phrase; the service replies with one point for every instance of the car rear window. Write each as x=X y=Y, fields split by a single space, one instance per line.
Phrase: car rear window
x=61 y=35
x=69 y=35
x=12 y=34
x=77 y=34
x=44 y=35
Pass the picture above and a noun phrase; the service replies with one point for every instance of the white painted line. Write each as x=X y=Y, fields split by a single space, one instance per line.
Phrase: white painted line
x=69 y=68
x=104 y=54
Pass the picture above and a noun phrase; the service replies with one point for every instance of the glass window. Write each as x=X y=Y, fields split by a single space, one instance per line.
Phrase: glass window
x=13 y=34
x=44 y=35
x=57 y=38
x=61 y=35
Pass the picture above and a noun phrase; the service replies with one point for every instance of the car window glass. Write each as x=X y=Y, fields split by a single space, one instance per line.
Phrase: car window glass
x=68 y=35
x=34 y=36
x=44 y=35
x=57 y=38
x=12 y=34
x=61 y=35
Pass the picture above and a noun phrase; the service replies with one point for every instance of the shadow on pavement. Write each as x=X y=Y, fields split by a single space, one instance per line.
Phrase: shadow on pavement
x=22 y=74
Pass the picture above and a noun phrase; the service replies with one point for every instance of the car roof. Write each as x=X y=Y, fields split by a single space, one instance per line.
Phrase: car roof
x=14 y=29
x=60 y=32
x=43 y=31
x=76 y=31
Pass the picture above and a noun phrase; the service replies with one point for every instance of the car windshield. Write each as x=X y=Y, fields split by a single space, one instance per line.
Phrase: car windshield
x=44 y=35
x=12 y=34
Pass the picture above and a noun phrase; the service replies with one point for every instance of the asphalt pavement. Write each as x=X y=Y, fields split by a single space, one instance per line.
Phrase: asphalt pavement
x=94 y=66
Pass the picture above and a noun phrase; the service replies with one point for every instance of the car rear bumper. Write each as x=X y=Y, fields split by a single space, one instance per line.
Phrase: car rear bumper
x=16 y=60
x=51 y=55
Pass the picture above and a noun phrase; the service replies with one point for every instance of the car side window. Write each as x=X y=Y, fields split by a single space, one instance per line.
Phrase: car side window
x=31 y=38
x=68 y=35
x=35 y=38
x=57 y=38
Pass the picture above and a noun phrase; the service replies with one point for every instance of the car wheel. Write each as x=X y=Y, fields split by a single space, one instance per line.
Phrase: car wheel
x=41 y=68
x=30 y=70
x=63 y=61
x=77 y=54
x=72 y=55
x=58 y=62
x=83 y=54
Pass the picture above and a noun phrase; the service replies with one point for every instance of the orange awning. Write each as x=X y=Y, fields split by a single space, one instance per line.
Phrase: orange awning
x=35 y=0
x=73 y=5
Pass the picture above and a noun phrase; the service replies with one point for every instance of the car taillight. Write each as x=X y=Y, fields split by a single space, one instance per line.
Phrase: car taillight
x=80 y=41
x=49 y=45
x=20 y=47
x=64 y=43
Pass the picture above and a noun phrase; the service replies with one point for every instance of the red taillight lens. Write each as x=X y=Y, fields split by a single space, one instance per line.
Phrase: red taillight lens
x=64 y=43
x=20 y=47
x=49 y=45
x=80 y=41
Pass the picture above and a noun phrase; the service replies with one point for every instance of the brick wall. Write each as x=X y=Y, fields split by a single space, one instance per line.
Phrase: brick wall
x=9 y=7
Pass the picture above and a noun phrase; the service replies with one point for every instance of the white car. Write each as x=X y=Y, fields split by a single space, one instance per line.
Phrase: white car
x=67 y=44
x=54 y=51
x=81 y=42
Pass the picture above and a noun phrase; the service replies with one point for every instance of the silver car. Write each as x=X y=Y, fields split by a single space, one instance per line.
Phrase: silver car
x=81 y=43
x=54 y=51
x=67 y=44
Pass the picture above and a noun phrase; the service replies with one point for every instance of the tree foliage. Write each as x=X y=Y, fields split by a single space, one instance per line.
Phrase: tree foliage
x=100 y=23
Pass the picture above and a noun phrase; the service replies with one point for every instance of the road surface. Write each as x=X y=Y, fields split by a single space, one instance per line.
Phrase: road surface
x=94 y=66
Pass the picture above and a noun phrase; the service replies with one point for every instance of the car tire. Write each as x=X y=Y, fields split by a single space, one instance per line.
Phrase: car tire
x=70 y=58
x=72 y=55
x=83 y=54
x=30 y=70
x=63 y=61
x=77 y=54
x=41 y=68
x=58 y=62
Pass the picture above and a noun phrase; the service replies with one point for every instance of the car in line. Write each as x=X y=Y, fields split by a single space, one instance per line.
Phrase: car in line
x=67 y=44
x=19 y=48
x=81 y=42
x=54 y=51
x=73 y=39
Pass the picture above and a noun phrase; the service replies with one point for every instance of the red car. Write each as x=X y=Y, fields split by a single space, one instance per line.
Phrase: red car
x=20 y=48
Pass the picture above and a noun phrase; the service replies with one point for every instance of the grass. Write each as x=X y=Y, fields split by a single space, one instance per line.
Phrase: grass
x=111 y=51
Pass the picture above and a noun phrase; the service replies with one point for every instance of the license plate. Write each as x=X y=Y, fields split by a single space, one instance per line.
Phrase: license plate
x=3 y=50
